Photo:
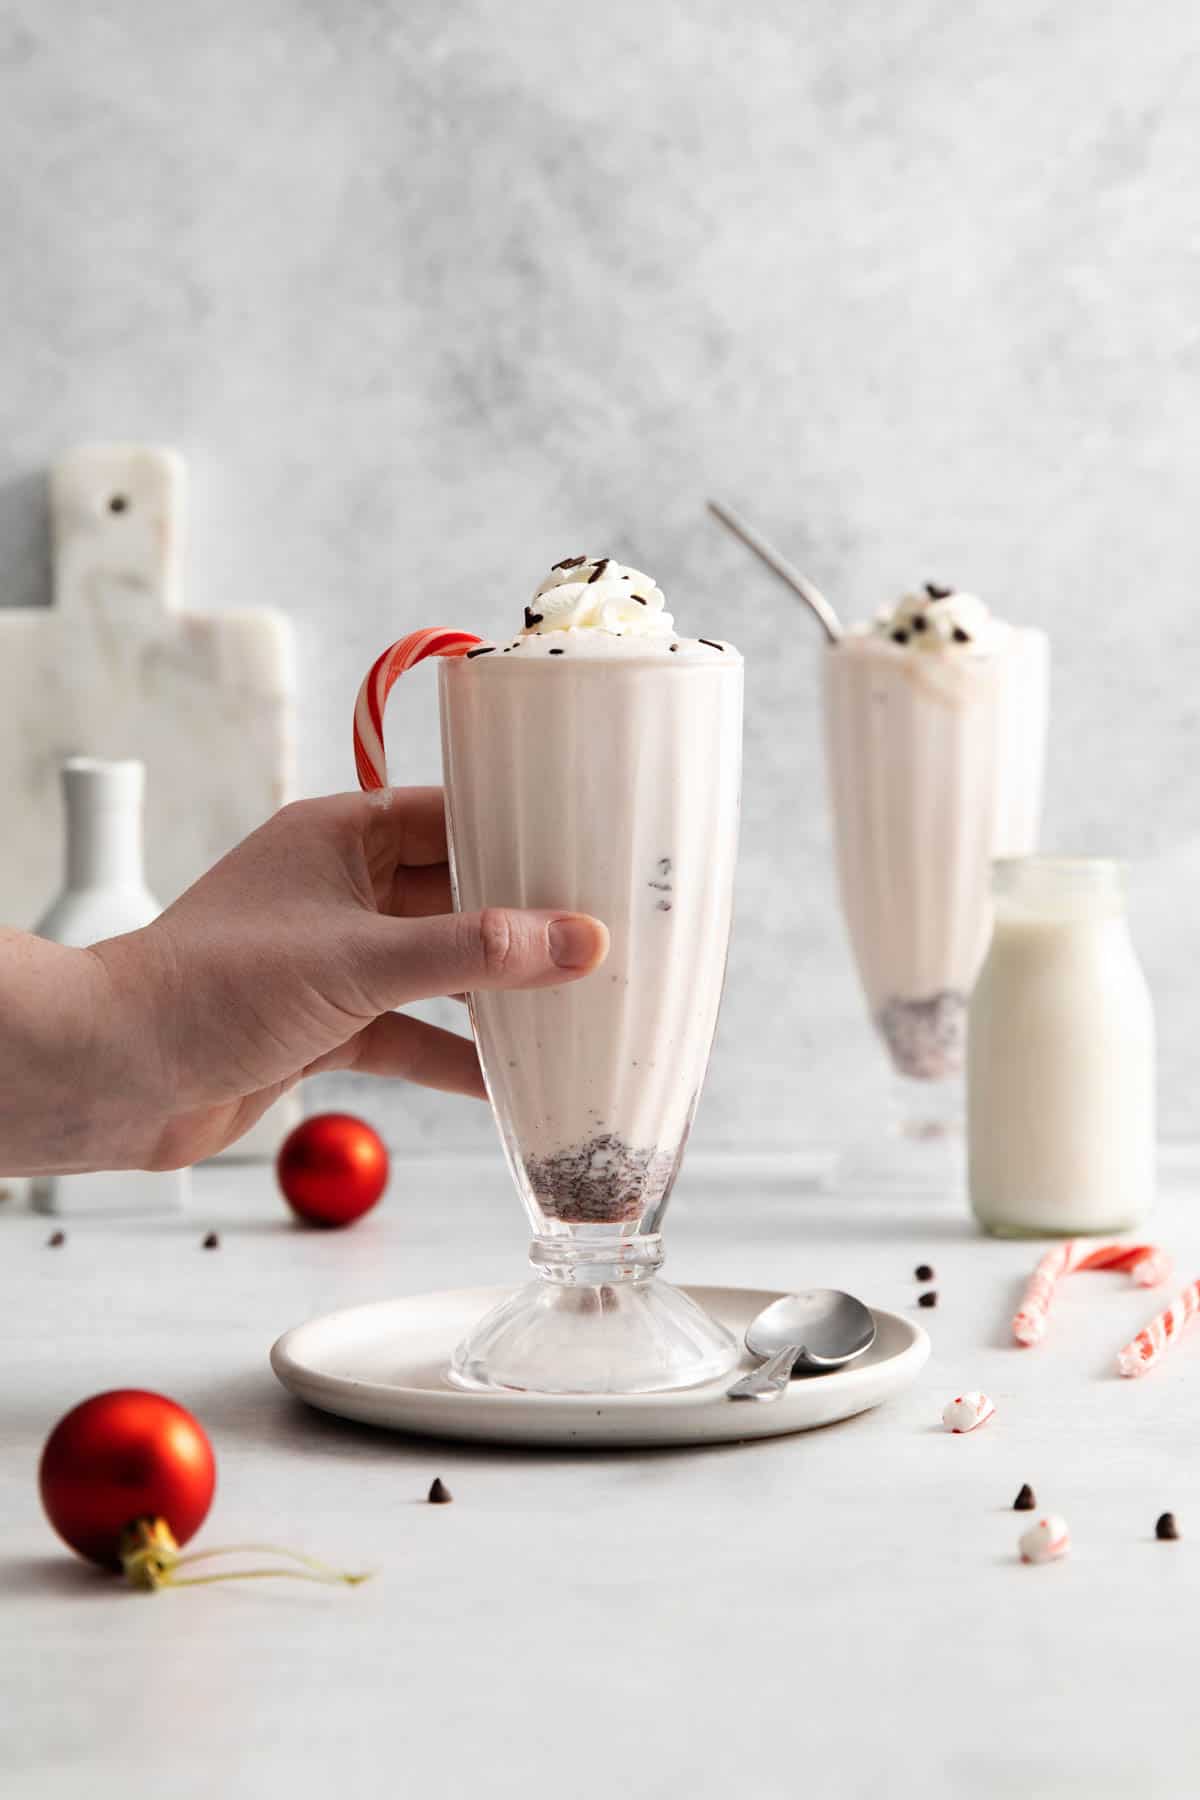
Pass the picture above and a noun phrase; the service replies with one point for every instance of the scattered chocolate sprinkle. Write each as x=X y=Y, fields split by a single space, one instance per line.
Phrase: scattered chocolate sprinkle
x=483 y=650
x=507 y=648
x=439 y=1493
x=711 y=645
x=532 y=618
x=211 y=1242
x=920 y=622
x=674 y=646
x=556 y=653
x=899 y=637
x=923 y=1272
x=936 y=591
x=664 y=865
x=1166 y=1530
x=639 y=599
x=599 y=569
x=663 y=886
x=1026 y=1500
x=570 y=562
x=960 y=636
x=664 y=906
x=56 y=1240
x=927 y=1299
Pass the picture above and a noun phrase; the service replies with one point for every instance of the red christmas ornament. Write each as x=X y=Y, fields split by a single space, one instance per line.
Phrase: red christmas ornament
x=124 y=1460
x=332 y=1169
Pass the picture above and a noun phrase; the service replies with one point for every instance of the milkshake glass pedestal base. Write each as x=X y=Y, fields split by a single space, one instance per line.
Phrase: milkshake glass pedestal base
x=598 y=1320
x=926 y=1111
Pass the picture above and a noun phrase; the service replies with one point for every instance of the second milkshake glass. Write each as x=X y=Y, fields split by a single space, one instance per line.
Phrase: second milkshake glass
x=603 y=781
x=935 y=761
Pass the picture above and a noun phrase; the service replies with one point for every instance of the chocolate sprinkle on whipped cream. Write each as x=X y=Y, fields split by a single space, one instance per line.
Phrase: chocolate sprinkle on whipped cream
x=938 y=619
x=593 y=608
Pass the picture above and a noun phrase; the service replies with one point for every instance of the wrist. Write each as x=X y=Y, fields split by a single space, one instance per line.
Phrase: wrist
x=131 y=1061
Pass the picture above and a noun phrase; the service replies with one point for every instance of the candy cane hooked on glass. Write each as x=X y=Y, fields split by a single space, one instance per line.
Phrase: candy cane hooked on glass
x=1145 y=1262
x=370 y=757
x=1152 y=1344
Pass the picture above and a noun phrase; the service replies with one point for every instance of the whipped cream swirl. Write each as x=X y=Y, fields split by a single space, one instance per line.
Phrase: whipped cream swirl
x=594 y=593
x=939 y=618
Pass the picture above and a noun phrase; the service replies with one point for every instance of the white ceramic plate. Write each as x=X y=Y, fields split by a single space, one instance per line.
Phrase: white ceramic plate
x=386 y=1365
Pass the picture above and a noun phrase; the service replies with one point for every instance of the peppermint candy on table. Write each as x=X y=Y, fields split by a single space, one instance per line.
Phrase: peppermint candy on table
x=1046 y=1540
x=966 y=1412
x=1152 y=1343
x=1147 y=1264
x=370 y=758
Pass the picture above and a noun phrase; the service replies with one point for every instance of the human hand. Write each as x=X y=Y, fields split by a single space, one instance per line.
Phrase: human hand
x=287 y=959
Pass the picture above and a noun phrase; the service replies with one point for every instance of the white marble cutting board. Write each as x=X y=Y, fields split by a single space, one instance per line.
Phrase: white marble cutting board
x=116 y=667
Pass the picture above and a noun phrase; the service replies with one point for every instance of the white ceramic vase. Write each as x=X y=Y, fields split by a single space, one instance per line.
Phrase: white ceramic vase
x=104 y=894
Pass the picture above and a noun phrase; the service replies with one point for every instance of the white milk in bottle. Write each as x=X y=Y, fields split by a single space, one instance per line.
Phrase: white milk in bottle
x=1060 y=1057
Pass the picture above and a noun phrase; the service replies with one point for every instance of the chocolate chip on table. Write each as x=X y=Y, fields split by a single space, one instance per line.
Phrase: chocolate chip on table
x=927 y=1299
x=923 y=1272
x=1026 y=1500
x=211 y=1242
x=439 y=1493
x=1166 y=1529
x=56 y=1240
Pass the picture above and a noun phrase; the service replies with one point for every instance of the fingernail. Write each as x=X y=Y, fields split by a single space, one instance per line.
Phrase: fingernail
x=572 y=941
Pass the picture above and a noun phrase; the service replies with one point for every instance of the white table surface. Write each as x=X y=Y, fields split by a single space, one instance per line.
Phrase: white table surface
x=834 y=1615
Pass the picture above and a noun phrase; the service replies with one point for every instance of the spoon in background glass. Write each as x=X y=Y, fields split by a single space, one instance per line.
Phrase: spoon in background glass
x=800 y=585
x=815 y=1332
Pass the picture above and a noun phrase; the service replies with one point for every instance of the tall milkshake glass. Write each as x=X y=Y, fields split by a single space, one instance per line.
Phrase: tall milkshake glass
x=593 y=763
x=935 y=726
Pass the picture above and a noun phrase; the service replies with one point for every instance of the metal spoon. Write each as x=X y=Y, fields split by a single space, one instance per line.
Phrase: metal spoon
x=818 y=1331
x=811 y=595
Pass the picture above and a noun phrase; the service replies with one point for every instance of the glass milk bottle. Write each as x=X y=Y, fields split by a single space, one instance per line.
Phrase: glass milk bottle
x=1060 y=1057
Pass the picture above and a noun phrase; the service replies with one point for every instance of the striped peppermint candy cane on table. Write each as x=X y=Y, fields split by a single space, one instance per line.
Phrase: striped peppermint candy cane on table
x=1145 y=1262
x=370 y=757
x=1152 y=1344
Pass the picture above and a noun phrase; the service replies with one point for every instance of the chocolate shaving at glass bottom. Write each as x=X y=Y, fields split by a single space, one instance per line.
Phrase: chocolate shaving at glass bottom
x=602 y=1182
x=927 y=1038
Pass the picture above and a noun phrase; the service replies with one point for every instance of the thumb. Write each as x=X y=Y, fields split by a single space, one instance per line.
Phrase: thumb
x=501 y=947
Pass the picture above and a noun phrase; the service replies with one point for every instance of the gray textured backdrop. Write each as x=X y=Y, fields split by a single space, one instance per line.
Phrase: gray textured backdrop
x=431 y=294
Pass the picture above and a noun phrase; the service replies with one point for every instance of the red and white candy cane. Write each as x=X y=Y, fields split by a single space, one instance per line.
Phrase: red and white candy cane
x=1145 y=1262
x=370 y=757
x=1152 y=1344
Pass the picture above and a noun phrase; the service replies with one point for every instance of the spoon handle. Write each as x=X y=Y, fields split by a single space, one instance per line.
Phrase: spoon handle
x=768 y=1381
x=811 y=595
